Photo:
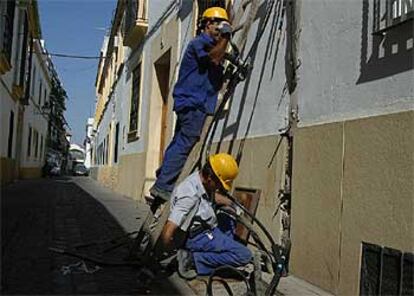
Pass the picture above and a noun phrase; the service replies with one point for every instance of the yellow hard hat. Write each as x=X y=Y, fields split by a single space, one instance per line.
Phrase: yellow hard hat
x=225 y=168
x=216 y=13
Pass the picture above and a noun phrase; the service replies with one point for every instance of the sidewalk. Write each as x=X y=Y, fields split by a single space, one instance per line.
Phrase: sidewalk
x=125 y=210
x=38 y=214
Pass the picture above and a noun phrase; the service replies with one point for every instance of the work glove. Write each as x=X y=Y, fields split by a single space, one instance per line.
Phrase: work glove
x=225 y=29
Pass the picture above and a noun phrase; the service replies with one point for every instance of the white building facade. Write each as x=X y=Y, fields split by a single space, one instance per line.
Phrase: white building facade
x=324 y=118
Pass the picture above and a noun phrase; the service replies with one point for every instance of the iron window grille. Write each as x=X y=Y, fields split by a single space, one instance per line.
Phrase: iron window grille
x=29 y=142
x=24 y=51
x=8 y=29
x=391 y=13
x=11 y=134
x=135 y=102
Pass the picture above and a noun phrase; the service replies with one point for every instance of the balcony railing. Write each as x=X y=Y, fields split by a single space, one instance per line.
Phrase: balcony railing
x=135 y=22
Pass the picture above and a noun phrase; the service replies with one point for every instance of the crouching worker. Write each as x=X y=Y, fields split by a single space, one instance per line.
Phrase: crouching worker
x=209 y=243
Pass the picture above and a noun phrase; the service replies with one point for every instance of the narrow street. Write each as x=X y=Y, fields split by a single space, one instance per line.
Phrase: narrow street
x=43 y=213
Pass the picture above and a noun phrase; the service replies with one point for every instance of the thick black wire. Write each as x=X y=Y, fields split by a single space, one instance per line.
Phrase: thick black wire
x=260 y=244
x=235 y=79
x=209 y=291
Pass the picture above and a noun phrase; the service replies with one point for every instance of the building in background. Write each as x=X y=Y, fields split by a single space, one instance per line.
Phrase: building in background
x=26 y=75
x=88 y=142
x=324 y=121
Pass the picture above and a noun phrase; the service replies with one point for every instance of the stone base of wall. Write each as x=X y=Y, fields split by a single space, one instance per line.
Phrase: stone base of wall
x=7 y=170
x=353 y=181
x=30 y=173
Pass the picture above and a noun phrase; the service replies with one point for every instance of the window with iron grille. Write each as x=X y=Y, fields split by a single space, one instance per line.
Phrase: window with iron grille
x=29 y=142
x=33 y=81
x=135 y=102
x=116 y=143
x=11 y=134
x=23 y=54
x=41 y=148
x=8 y=20
x=40 y=94
x=390 y=13
x=107 y=149
x=36 y=143
x=386 y=271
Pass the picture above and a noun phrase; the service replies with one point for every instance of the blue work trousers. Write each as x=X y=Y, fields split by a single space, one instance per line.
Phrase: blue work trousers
x=187 y=132
x=217 y=247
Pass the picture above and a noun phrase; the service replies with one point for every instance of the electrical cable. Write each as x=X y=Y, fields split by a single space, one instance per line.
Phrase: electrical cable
x=235 y=79
x=72 y=56
x=209 y=291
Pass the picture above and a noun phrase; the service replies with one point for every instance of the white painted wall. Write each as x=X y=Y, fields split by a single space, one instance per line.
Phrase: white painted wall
x=7 y=104
x=328 y=87
x=34 y=115
x=330 y=50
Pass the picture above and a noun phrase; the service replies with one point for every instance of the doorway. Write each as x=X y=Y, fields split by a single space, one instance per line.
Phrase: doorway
x=162 y=70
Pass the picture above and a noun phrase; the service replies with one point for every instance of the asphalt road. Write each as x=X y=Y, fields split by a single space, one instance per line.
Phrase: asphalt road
x=44 y=213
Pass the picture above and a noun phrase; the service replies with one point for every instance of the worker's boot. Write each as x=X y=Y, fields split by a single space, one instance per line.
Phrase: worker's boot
x=160 y=193
x=186 y=268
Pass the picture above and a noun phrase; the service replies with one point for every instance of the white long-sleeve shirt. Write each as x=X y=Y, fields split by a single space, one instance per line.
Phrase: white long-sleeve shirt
x=189 y=200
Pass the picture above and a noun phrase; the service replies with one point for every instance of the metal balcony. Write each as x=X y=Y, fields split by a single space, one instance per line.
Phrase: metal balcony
x=136 y=22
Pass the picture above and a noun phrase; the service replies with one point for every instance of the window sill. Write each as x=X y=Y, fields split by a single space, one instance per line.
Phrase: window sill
x=133 y=136
x=4 y=64
x=17 y=91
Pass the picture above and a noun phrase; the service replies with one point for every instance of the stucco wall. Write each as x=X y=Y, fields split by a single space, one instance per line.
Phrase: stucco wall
x=337 y=35
x=7 y=105
x=353 y=182
x=131 y=175
x=262 y=164
x=259 y=106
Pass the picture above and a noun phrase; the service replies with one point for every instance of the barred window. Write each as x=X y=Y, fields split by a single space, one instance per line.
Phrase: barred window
x=135 y=102
x=8 y=21
x=23 y=53
x=40 y=94
x=29 y=142
x=390 y=13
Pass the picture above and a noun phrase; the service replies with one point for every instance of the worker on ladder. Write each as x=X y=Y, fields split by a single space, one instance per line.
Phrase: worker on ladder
x=195 y=96
x=210 y=243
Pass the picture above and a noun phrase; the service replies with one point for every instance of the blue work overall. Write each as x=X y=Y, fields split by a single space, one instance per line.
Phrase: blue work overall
x=217 y=247
x=187 y=132
x=195 y=97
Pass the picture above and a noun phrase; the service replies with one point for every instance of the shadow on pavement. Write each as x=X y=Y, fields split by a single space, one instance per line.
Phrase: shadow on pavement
x=38 y=214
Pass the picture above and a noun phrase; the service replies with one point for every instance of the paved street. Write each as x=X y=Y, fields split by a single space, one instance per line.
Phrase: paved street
x=39 y=214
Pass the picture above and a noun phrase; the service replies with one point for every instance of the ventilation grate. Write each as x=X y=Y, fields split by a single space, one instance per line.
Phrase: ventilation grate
x=386 y=271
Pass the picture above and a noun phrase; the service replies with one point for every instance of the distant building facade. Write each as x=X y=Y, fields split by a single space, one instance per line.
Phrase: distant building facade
x=26 y=74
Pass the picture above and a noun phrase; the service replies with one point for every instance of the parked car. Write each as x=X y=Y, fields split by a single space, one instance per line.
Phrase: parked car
x=80 y=170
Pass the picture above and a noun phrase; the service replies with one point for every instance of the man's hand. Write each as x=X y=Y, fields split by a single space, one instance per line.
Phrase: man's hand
x=221 y=200
x=225 y=29
x=167 y=234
